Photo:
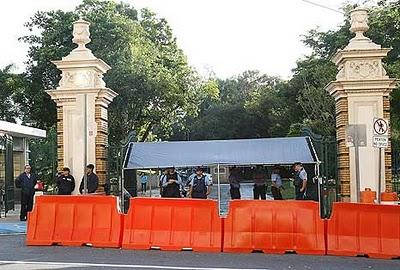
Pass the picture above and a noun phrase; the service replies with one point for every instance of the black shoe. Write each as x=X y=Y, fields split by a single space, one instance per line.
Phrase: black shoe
x=22 y=219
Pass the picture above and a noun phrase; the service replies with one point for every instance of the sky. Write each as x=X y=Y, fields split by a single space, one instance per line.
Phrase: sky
x=224 y=37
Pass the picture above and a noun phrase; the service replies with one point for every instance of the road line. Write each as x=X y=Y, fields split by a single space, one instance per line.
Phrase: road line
x=132 y=266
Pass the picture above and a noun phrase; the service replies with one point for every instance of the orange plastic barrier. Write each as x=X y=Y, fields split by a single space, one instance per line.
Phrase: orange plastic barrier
x=75 y=221
x=172 y=224
x=274 y=227
x=364 y=229
x=368 y=196
x=389 y=196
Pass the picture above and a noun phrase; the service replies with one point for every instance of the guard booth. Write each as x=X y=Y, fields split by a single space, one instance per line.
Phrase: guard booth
x=14 y=155
x=218 y=153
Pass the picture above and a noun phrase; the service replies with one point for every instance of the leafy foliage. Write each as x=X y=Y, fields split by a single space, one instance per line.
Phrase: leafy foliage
x=150 y=73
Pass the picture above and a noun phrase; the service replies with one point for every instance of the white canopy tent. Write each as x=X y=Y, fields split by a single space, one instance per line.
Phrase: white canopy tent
x=266 y=151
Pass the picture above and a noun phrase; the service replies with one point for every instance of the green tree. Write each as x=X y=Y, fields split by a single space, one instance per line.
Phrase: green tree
x=247 y=106
x=150 y=73
x=11 y=94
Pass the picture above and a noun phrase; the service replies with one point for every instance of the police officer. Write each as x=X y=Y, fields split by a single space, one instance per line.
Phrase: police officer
x=92 y=180
x=200 y=185
x=26 y=181
x=65 y=182
x=300 y=181
x=171 y=184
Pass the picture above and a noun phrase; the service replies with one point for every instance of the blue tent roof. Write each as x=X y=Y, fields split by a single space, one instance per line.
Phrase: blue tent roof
x=270 y=151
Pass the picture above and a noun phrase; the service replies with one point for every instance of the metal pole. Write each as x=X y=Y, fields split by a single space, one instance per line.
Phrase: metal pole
x=85 y=187
x=219 y=191
x=122 y=181
x=380 y=176
x=151 y=175
x=357 y=172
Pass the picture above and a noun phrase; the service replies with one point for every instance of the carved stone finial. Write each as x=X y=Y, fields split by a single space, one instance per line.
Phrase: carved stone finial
x=359 y=22
x=81 y=34
x=359 y=25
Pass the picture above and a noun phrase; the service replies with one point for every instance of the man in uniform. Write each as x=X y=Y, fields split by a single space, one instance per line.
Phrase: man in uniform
x=300 y=181
x=171 y=184
x=65 y=182
x=200 y=185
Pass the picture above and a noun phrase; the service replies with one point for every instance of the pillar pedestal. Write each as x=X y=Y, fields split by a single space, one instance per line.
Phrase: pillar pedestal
x=81 y=92
x=361 y=92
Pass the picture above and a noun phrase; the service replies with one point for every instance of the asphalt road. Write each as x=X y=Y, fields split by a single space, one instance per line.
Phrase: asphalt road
x=15 y=255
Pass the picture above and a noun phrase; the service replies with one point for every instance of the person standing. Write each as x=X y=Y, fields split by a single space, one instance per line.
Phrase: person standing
x=200 y=185
x=163 y=178
x=171 y=184
x=234 y=182
x=26 y=181
x=300 y=181
x=65 y=182
x=276 y=185
x=260 y=188
x=92 y=180
x=143 y=181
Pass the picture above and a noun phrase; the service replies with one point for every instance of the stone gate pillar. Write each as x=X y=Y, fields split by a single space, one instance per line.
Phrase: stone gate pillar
x=81 y=92
x=361 y=92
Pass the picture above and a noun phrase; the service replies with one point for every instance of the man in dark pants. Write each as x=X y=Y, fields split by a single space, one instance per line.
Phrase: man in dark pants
x=65 y=182
x=260 y=188
x=234 y=182
x=300 y=181
x=200 y=185
x=92 y=180
x=26 y=181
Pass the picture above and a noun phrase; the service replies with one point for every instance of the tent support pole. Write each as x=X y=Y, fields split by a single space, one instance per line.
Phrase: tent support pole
x=150 y=182
x=219 y=191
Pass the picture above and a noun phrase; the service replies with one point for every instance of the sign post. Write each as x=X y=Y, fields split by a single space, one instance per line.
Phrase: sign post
x=380 y=141
x=356 y=136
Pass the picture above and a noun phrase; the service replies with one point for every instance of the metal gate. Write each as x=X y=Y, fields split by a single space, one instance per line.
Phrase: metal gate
x=6 y=173
x=326 y=148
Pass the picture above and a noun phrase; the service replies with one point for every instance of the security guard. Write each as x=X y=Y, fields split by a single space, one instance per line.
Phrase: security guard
x=65 y=182
x=300 y=181
x=171 y=184
x=200 y=185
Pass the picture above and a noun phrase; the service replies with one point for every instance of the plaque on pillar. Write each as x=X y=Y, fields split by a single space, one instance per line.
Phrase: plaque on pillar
x=356 y=135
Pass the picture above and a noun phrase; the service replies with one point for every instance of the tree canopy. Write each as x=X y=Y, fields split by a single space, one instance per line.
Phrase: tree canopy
x=162 y=97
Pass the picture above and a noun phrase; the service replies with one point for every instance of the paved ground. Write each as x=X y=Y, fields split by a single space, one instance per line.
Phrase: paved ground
x=14 y=255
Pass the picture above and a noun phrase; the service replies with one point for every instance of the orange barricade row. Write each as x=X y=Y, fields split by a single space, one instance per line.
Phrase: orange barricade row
x=364 y=229
x=75 y=221
x=274 y=227
x=172 y=224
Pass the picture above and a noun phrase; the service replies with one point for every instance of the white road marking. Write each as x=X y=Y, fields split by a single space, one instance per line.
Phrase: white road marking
x=132 y=266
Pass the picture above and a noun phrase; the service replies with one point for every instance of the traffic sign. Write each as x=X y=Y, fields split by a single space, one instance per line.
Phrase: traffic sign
x=381 y=127
x=380 y=141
